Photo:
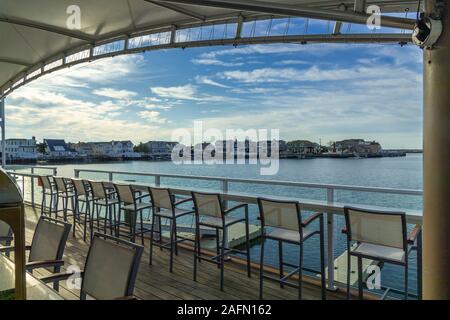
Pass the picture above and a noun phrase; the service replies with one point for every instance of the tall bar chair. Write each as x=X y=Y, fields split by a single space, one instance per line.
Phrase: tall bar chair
x=381 y=236
x=165 y=206
x=48 y=190
x=82 y=200
x=282 y=221
x=210 y=212
x=65 y=193
x=103 y=197
x=132 y=204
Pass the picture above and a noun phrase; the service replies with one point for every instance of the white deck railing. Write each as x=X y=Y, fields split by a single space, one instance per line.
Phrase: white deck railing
x=330 y=206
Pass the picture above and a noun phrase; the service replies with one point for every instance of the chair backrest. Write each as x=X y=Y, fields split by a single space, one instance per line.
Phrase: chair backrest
x=208 y=204
x=49 y=239
x=376 y=227
x=161 y=197
x=60 y=184
x=98 y=189
x=79 y=186
x=280 y=214
x=111 y=268
x=46 y=182
x=5 y=234
x=124 y=193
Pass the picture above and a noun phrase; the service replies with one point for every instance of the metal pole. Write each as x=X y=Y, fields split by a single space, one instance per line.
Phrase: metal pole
x=436 y=160
x=2 y=115
x=330 y=242
x=32 y=188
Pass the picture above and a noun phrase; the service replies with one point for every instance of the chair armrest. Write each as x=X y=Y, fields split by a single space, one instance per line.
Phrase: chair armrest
x=6 y=238
x=242 y=205
x=344 y=230
x=44 y=264
x=126 y=298
x=57 y=277
x=11 y=248
x=142 y=196
x=414 y=233
x=182 y=201
x=311 y=218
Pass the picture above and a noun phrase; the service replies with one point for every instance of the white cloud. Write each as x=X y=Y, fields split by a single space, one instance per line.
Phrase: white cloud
x=216 y=62
x=206 y=80
x=187 y=92
x=152 y=117
x=114 y=93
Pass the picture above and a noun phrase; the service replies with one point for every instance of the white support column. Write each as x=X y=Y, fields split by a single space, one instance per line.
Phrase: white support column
x=3 y=123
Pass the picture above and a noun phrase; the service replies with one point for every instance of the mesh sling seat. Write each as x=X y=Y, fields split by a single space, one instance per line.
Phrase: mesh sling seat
x=48 y=189
x=165 y=207
x=132 y=204
x=64 y=192
x=82 y=199
x=380 y=236
x=282 y=221
x=47 y=247
x=6 y=235
x=103 y=197
x=109 y=271
x=210 y=212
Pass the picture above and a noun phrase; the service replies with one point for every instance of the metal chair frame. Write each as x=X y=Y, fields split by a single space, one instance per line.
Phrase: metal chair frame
x=283 y=279
x=222 y=249
x=109 y=203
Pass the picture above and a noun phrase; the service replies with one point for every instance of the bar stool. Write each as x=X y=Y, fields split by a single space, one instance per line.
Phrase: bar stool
x=103 y=197
x=210 y=212
x=81 y=189
x=381 y=236
x=165 y=206
x=48 y=189
x=282 y=221
x=65 y=193
x=130 y=202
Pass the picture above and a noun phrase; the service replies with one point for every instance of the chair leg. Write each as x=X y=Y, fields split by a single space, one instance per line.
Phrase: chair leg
x=175 y=237
x=43 y=203
x=142 y=226
x=222 y=258
x=65 y=205
x=419 y=266
x=360 y=280
x=261 y=269
x=172 y=224
x=87 y=216
x=196 y=255
x=406 y=278
x=348 y=272
x=75 y=215
x=218 y=246
x=247 y=246
x=151 y=240
x=160 y=233
x=56 y=206
x=300 y=272
x=280 y=261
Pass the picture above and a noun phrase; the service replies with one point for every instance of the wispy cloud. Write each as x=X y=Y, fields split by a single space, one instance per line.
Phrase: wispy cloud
x=209 y=81
x=114 y=93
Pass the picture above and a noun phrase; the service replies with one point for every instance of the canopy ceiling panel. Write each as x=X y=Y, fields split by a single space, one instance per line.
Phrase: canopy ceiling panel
x=34 y=33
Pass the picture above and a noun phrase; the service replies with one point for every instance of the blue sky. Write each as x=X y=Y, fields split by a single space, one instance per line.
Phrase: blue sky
x=327 y=92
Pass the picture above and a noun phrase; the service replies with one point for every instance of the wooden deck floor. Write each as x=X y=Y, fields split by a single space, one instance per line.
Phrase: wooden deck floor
x=156 y=282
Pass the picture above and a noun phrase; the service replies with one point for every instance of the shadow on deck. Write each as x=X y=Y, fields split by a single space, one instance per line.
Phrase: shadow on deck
x=156 y=282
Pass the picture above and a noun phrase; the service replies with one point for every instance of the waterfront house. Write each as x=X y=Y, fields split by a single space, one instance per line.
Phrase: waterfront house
x=59 y=149
x=124 y=149
x=20 y=149
x=358 y=147
x=107 y=150
x=303 y=147
x=160 y=149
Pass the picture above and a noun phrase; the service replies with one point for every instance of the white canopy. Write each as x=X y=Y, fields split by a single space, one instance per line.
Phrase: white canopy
x=36 y=39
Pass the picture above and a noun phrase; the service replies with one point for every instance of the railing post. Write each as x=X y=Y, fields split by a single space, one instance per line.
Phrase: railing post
x=55 y=171
x=32 y=188
x=110 y=176
x=76 y=173
x=225 y=190
x=157 y=181
x=330 y=244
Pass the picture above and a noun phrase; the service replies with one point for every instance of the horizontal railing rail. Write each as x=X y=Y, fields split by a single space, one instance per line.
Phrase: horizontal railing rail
x=330 y=207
